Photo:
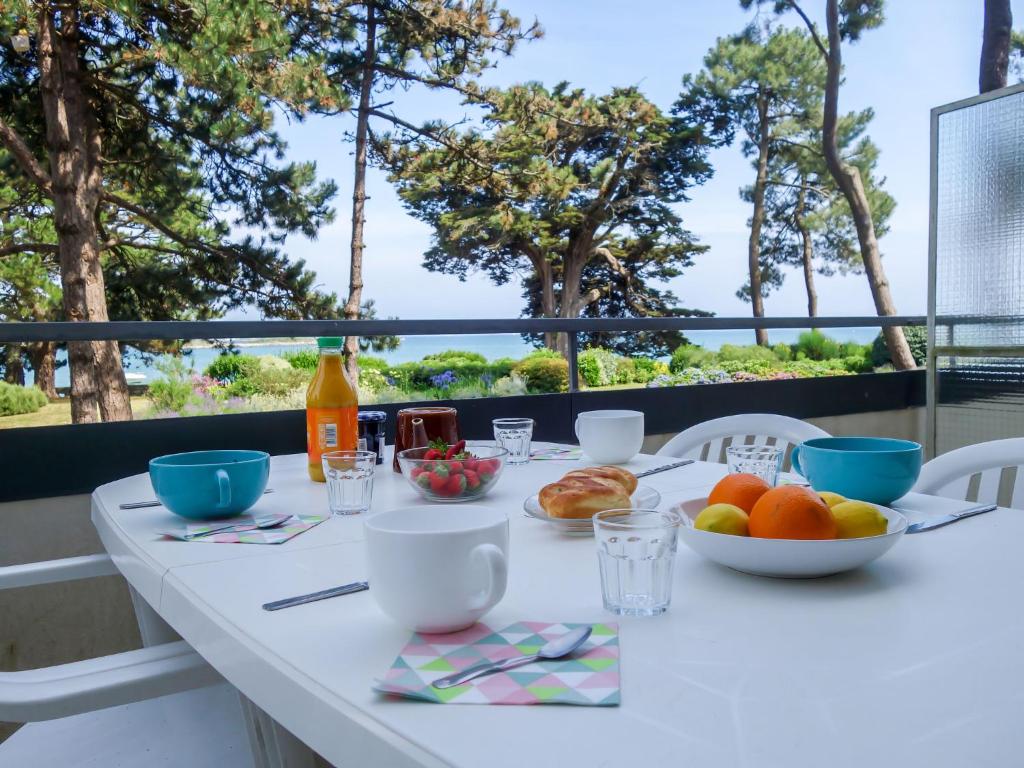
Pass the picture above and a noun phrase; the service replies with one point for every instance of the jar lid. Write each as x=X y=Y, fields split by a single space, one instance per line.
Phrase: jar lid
x=372 y=416
x=329 y=341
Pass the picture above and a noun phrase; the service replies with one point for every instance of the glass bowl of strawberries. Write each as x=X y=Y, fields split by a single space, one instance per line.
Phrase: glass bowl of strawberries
x=452 y=473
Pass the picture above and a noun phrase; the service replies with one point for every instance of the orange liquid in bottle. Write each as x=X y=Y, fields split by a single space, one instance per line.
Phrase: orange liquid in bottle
x=331 y=408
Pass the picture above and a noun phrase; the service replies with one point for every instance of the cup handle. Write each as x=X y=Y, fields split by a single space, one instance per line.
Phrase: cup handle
x=794 y=460
x=497 y=576
x=576 y=428
x=224 y=485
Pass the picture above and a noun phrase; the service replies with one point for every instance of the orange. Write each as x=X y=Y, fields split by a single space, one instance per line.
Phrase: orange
x=739 y=489
x=792 y=512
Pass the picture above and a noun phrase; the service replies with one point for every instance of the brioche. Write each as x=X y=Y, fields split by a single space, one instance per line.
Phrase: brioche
x=624 y=477
x=582 y=497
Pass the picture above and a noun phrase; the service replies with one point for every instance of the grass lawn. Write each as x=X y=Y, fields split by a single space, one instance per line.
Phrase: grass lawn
x=59 y=413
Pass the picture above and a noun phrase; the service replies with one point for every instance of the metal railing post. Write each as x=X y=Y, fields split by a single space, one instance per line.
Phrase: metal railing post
x=574 y=373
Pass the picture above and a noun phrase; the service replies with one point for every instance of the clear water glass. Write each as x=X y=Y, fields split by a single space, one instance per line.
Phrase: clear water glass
x=765 y=461
x=514 y=435
x=636 y=550
x=349 y=476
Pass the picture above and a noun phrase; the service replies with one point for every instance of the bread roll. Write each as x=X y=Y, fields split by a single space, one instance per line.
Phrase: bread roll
x=582 y=497
x=623 y=477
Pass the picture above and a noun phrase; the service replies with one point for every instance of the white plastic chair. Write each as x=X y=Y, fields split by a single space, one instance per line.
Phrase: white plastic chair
x=708 y=440
x=988 y=473
x=137 y=708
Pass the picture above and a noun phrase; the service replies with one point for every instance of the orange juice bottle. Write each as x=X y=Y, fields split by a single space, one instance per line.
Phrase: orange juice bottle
x=331 y=408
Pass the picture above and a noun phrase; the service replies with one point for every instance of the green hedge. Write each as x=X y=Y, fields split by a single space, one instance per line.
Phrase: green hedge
x=917 y=338
x=544 y=373
x=15 y=399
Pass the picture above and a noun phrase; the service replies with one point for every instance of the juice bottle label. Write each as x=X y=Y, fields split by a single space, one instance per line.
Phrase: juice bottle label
x=330 y=429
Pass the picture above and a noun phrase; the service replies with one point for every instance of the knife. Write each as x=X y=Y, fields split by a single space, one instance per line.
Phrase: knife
x=665 y=468
x=938 y=522
x=345 y=589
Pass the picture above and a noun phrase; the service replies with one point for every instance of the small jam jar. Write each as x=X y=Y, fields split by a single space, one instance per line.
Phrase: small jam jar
x=371 y=429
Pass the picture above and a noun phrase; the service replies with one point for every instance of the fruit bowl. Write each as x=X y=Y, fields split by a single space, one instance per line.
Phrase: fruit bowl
x=787 y=558
x=455 y=479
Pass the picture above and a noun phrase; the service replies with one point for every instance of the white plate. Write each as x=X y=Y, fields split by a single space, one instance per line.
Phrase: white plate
x=787 y=558
x=644 y=497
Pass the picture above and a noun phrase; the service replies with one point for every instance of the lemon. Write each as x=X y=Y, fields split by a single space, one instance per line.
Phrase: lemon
x=857 y=519
x=831 y=498
x=722 y=518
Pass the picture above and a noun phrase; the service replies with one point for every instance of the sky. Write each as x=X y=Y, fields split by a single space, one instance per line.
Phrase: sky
x=926 y=54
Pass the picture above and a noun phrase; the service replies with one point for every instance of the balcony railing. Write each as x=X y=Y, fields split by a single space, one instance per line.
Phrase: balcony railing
x=60 y=460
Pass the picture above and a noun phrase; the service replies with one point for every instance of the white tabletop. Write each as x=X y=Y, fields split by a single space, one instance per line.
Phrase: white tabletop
x=912 y=660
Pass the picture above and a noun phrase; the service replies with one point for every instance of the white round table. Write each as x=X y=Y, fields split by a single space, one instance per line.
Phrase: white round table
x=913 y=660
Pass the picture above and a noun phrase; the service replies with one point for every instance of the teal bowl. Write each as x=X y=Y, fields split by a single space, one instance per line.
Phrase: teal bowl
x=875 y=469
x=206 y=485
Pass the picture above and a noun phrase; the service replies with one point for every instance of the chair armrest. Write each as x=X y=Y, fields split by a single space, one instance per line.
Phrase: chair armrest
x=52 y=571
x=84 y=686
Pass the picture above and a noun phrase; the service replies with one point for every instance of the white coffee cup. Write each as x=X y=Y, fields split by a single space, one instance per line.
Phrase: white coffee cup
x=611 y=437
x=437 y=568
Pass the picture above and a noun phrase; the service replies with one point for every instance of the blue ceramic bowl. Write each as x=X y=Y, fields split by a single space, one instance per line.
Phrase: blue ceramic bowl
x=205 y=485
x=875 y=469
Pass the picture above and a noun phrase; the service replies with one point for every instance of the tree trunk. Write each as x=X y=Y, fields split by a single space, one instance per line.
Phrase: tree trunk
x=545 y=272
x=757 y=219
x=848 y=180
x=995 y=45
x=73 y=143
x=807 y=252
x=355 y=278
x=14 y=368
x=43 y=356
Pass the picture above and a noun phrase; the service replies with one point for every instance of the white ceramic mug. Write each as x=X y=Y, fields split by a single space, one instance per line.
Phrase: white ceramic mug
x=437 y=568
x=611 y=437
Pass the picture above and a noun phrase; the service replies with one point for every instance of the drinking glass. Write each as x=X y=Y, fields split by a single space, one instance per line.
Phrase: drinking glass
x=514 y=436
x=349 y=476
x=765 y=461
x=636 y=549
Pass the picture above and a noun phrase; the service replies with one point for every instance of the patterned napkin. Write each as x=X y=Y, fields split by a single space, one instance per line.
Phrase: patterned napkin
x=556 y=454
x=279 y=535
x=589 y=678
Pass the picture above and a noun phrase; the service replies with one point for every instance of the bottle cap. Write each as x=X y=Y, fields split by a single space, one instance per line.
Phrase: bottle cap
x=329 y=341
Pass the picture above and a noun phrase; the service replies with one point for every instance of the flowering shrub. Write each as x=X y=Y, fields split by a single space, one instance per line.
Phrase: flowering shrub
x=443 y=380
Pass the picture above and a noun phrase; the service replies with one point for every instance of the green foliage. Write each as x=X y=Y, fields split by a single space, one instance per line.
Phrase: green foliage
x=303 y=360
x=374 y=363
x=690 y=356
x=544 y=374
x=174 y=391
x=783 y=352
x=545 y=353
x=15 y=399
x=272 y=376
x=371 y=380
x=229 y=368
x=815 y=345
x=917 y=338
x=646 y=369
x=745 y=353
x=456 y=356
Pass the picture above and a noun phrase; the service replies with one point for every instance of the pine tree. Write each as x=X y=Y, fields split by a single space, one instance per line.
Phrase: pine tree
x=146 y=130
x=568 y=192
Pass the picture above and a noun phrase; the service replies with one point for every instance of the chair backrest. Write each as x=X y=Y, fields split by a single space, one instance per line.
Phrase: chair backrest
x=708 y=441
x=988 y=473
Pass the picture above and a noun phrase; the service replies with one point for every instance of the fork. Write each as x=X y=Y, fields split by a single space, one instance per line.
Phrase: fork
x=257 y=525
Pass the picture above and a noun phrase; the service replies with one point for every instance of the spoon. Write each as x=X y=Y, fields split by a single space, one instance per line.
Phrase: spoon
x=553 y=649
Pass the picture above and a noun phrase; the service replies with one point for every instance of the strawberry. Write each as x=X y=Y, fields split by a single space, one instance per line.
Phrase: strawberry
x=472 y=480
x=441 y=470
x=455 y=467
x=456 y=484
x=489 y=466
x=459 y=447
x=423 y=480
x=415 y=472
x=470 y=462
x=433 y=453
x=438 y=483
